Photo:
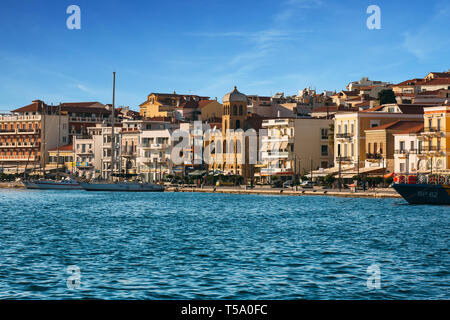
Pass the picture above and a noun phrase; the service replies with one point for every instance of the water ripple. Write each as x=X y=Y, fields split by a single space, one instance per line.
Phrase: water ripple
x=219 y=246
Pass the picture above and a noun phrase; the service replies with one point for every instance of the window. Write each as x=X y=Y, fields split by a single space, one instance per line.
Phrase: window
x=352 y=128
x=439 y=124
x=430 y=123
x=240 y=110
x=438 y=144
x=353 y=150
x=402 y=167
x=324 y=150
x=339 y=149
x=411 y=146
x=235 y=110
x=369 y=149
x=420 y=147
x=381 y=147
x=324 y=134
x=339 y=129
x=374 y=123
x=375 y=148
x=345 y=128
x=402 y=145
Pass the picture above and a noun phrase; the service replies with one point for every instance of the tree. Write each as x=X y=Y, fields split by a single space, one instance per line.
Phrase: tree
x=386 y=96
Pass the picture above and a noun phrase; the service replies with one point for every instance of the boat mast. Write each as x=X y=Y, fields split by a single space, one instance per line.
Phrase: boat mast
x=43 y=140
x=59 y=138
x=113 y=145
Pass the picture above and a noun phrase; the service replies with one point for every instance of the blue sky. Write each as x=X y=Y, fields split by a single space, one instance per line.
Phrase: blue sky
x=206 y=47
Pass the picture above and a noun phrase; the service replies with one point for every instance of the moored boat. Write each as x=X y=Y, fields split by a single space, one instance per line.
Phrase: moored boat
x=45 y=184
x=424 y=193
x=123 y=187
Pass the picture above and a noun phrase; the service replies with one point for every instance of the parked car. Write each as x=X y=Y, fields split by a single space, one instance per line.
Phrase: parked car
x=277 y=184
x=307 y=184
x=288 y=184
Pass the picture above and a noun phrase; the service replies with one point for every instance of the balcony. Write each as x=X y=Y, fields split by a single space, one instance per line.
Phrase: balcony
x=343 y=159
x=28 y=131
x=89 y=151
x=275 y=155
x=278 y=139
x=11 y=118
x=155 y=146
x=410 y=151
x=7 y=131
x=19 y=158
x=8 y=145
x=432 y=132
x=345 y=135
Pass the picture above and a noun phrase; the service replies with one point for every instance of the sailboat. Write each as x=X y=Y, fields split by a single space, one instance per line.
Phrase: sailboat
x=49 y=184
x=122 y=185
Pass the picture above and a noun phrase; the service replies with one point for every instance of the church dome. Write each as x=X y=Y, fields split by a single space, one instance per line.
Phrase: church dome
x=234 y=95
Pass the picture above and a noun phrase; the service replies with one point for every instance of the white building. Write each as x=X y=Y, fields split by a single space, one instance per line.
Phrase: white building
x=408 y=154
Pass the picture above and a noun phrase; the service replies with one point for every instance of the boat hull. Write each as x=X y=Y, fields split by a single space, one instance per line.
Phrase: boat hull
x=424 y=193
x=51 y=185
x=122 y=187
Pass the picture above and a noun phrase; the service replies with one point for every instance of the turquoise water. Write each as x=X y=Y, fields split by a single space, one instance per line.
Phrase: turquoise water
x=219 y=246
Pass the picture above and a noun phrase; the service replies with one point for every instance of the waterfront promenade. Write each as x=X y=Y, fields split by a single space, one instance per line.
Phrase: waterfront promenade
x=376 y=193
x=317 y=191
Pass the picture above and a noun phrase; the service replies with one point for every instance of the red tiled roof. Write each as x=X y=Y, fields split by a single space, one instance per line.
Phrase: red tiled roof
x=437 y=81
x=203 y=103
x=81 y=107
x=398 y=125
x=68 y=147
x=441 y=74
x=416 y=129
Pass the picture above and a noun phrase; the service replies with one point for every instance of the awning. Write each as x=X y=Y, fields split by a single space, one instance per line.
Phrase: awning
x=389 y=175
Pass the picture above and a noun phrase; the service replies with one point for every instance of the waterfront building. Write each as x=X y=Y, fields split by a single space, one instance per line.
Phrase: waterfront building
x=61 y=159
x=166 y=104
x=83 y=115
x=153 y=154
x=88 y=153
x=128 y=149
x=234 y=118
x=349 y=131
x=111 y=157
x=294 y=146
x=408 y=154
x=27 y=134
x=380 y=144
x=436 y=137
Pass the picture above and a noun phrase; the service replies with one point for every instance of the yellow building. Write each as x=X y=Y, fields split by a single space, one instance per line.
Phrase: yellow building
x=229 y=158
x=436 y=137
x=350 y=127
x=166 y=104
x=159 y=105
x=62 y=158
x=211 y=110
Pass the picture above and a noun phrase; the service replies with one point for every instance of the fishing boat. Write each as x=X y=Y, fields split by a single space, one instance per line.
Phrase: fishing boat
x=423 y=190
x=45 y=184
x=122 y=187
